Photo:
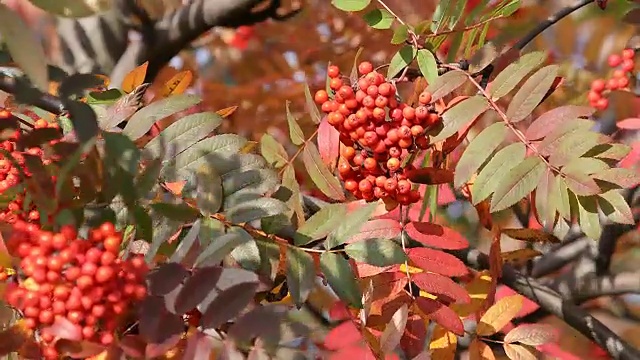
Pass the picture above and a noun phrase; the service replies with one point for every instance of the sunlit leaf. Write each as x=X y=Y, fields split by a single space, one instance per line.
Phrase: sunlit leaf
x=588 y=217
x=350 y=225
x=443 y=344
x=520 y=352
x=496 y=170
x=134 y=78
x=508 y=78
x=392 y=333
x=326 y=182
x=273 y=151
x=531 y=93
x=435 y=235
x=400 y=60
x=478 y=151
x=427 y=64
x=144 y=119
x=379 y=19
x=445 y=84
x=178 y=84
x=437 y=261
x=378 y=252
x=340 y=276
x=533 y=235
x=350 y=5
x=547 y=122
x=499 y=315
x=531 y=334
x=459 y=115
x=521 y=180
x=320 y=224
x=615 y=207
x=300 y=274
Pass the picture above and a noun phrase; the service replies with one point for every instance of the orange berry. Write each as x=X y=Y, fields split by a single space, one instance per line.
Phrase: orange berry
x=333 y=71
x=321 y=96
x=365 y=67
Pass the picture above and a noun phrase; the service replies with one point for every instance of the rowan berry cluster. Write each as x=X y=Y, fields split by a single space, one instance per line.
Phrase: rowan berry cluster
x=83 y=281
x=624 y=65
x=378 y=133
x=11 y=169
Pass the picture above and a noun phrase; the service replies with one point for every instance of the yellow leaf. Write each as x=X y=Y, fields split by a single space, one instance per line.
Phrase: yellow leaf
x=499 y=315
x=427 y=295
x=134 y=78
x=53 y=87
x=443 y=344
x=177 y=84
x=226 y=112
x=478 y=290
x=249 y=147
x=478 y=350
x=411 y=269
x=520 y=352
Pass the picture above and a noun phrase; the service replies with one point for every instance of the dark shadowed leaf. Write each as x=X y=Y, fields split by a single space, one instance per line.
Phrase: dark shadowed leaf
x=300 y=274
x=495 y=171
x=413 y=339
x=483 y=57
x=442 y=286
x=437 y=261
x=441 y=314
x=186 y=244
x=430 y=176
x=533 y=235
x=220 y=247
x=320 y=224
x=197 y=288
x=340 y=276
x=228 y=304
x=163 y=279
x=122 y=152
x=435 y=235
x=379 y=19
x=199 y=346
x=144 y=119
x=378 y=252
x=76 y=85
x=78 y=349
x=615 y=207
x=520 y=181
x=157 y=325
x=320 y=174
x=259 y=322
x=84 y=120
x=478 y=151
x=178 y=211
x=156 y=349
x=256 y=209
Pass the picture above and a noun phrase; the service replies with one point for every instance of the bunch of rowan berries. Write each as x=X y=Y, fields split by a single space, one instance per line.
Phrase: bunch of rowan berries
x=83 y=281
x=12 y=167
x=378 y=132
x=624 y=65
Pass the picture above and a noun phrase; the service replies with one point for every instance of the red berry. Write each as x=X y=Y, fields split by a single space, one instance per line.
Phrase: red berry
x=602 y=104
x=628 y=65
x=333 y=71
x=393 y=164
x=386 y=89
x=614 y=60
x=335 y=84
x=404 y=187
x=112 y=244
x=365 y=67
x=623 y=82
x=321 y=96
x=628 y=54
x=365 y=186
x=424 y=98
x=409 y=113
x=351 y=185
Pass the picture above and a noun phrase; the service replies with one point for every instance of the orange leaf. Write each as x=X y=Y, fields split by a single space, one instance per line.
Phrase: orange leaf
x=519 y=256
x=226 y=112
x=443 y=344
x=134 y=78
x=478 y=350
x=178 y=84
x=499 y=315
x=520 y=352
x=531 y=334
x=175 y=187
x=478 y=289
x=13 y=338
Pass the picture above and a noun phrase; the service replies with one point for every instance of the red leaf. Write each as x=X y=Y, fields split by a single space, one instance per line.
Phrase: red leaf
x=442 y=286
x=441 y=314
x=430 y=176
x=415 y=332
x=437 y=261
x=629 y=124
x=328 y=143
x=632 y=158
x=378 y=228
x=366 y=270
x=445 y=195
x=435 y=235
x=342 y=336
x=65 y=329
x=339 y=311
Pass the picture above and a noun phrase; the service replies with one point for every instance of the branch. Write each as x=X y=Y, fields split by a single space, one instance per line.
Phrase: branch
x=37 y=98
x=560 y=256
x=550 y=301
x=608 y=285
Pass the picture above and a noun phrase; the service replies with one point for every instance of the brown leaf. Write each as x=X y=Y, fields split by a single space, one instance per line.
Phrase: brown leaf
x=518 y=257
x=430 y=176
x=533 y=235
x=479 y=350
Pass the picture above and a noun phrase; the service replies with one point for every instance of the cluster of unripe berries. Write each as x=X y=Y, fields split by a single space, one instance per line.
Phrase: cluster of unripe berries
x=10 y=173
x=82 y=281
x=624 y=65
x=378 y=132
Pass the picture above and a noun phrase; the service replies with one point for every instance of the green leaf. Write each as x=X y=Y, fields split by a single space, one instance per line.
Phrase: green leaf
x=259 y=181
x=478 y=151
x=377 y=252
x=182 y=134
x=320 y=174
x=255 y=209
x=615 y=207
x=179 y=211
x=580 y=183
x=163 y=229
x=445 y=84
x=301 y=274
x=273 y=151
x=294 y=202
x=247 y=254
x=72 y=8
x=209 y=194
x=350 y=5
x=482 y=58
x=340 y=276
x=625 y=178
x=588 y=216
x=456 y=13
x=510 y=8
x=459 y=115
x=311 y=104
x=107 y=97
x=320 y=224
x=218 y=249
x=496 y=170
x=186 y=243
x=400 y=34
x=561 y=197
x=350 y=225
x=545 y=206
x=143 y=224
x=508 y=78
x=295 y=132
x=148 y=178
x=24 y=47
x=574 y=146
x=400 y=60
x=121 y=151
x=379 y=19
x=440 y=15
x=427 y=64
x=531 y=93
x=520 y=181
x=558 y=136
x=609 y=151
x=144 y=119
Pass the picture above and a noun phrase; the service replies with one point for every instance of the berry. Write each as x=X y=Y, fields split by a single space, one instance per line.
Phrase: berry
x=628 y=54
x=321 y=96
x=365 y=68
x=614 y=60
x=333 y=71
